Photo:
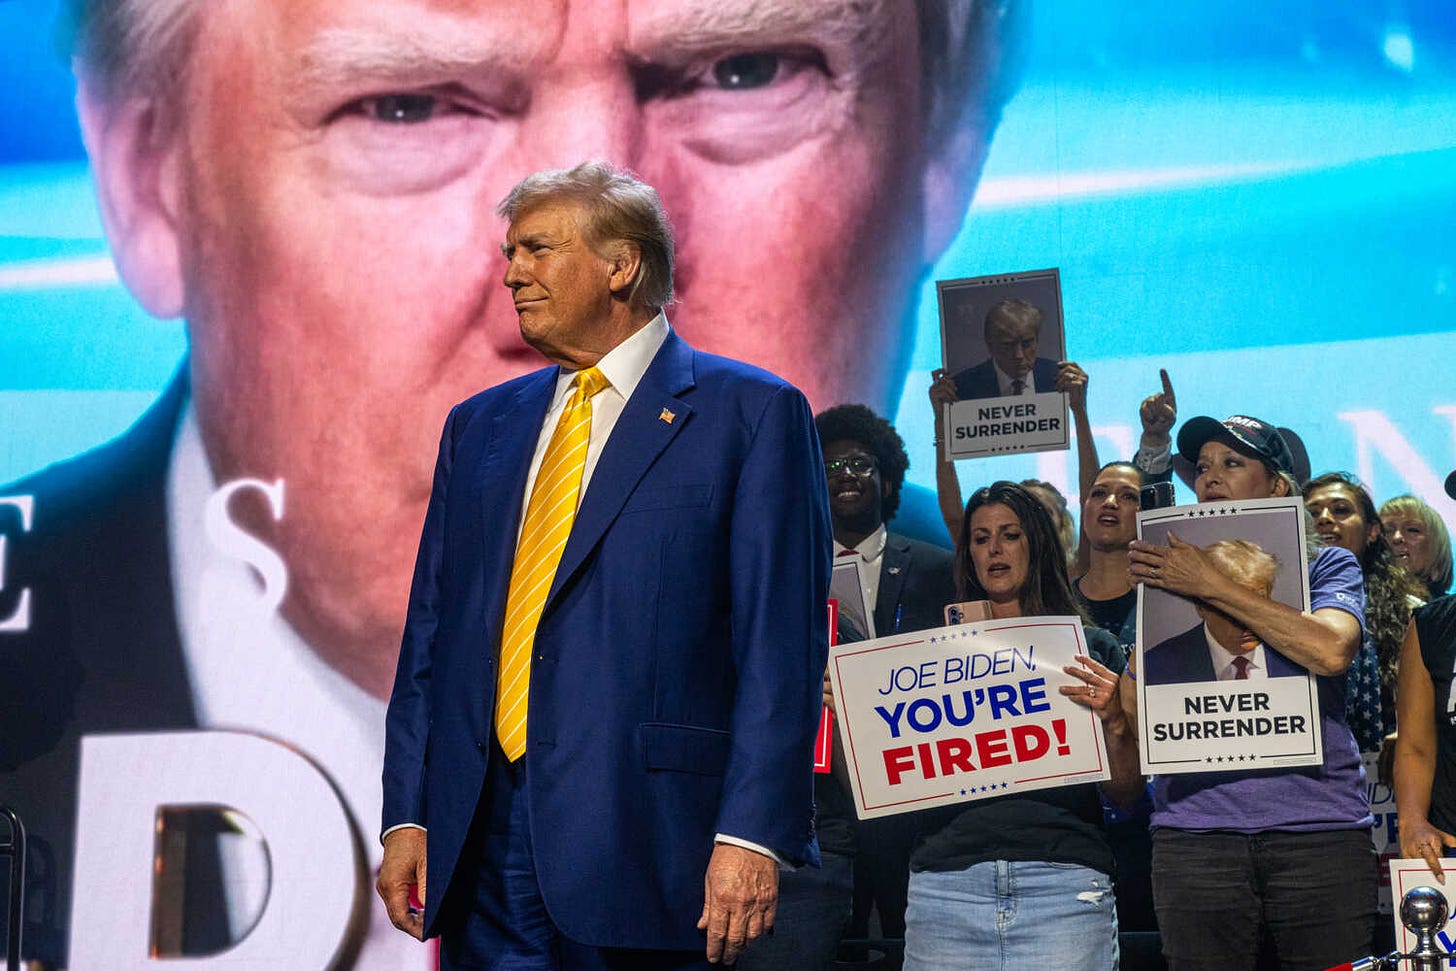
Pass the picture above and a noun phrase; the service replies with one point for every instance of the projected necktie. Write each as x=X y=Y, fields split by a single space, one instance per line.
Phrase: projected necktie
x=549 y=515
x=1241 y=669
x=1018 y=386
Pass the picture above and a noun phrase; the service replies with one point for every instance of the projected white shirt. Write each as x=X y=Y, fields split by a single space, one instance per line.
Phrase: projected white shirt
x=251 y=671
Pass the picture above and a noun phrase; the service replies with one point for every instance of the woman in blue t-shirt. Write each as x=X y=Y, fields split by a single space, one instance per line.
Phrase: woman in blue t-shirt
x=1282 y=853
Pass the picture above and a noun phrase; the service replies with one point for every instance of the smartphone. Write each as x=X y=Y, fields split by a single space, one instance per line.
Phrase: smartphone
x=967 y=612
x=1155 y=495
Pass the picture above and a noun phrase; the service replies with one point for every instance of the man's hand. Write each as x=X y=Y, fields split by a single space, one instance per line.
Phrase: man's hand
x=741 y=891
x=1159 y=412
x=403 y=869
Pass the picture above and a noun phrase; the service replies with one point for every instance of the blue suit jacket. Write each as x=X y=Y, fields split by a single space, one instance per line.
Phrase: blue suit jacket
x=675 y=679
x=1184 y=658
x=980 y=381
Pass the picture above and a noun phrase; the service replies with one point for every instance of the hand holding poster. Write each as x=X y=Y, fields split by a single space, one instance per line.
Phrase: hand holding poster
x=1002 y=340
x=961 y=713
x=1211 y=696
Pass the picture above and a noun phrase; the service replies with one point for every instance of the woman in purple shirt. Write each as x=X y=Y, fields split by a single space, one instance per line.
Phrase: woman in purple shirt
x=1279 y=853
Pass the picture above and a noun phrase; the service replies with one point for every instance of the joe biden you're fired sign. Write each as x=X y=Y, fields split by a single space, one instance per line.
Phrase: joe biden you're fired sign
x=962 y=713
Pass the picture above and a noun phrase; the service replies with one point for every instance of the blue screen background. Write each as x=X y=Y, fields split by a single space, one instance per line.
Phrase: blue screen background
x=1262 y=202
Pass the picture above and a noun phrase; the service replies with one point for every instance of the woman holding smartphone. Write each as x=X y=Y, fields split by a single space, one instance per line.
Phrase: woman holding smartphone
x=1024 y=880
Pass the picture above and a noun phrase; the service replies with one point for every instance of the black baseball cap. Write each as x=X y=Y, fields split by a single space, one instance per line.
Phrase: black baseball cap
x=1260 y=437
x=1451 y=485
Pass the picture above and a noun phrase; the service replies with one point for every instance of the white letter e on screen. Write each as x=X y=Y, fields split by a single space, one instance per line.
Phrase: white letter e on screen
x=19 y=619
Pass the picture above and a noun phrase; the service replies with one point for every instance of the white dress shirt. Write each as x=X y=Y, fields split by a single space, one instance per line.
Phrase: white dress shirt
x=871 y=551
x=1154 y=459
x=1004 y=382
x=623 y=366
x=1224 y=668
x=250 y=671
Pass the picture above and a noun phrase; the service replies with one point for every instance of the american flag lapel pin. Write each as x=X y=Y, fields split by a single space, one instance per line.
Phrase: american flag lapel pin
x=666 y=416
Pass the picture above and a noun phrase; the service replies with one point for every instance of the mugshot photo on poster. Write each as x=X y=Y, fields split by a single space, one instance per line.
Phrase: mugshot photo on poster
x=1002 y=338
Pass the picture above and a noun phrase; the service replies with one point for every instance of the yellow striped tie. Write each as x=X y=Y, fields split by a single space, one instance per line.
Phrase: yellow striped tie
x=548 y=523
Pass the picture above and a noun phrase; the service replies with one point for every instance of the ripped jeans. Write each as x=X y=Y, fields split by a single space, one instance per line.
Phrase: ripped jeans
x=1011 y=915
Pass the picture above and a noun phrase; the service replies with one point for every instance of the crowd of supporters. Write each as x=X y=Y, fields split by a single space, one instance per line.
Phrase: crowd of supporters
x=1243 y=869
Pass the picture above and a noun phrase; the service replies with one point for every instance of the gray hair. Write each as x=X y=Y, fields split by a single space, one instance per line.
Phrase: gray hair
x=1016 y=312
x=1245 y=563
x=971 y=56
x=619 y=207
x=970 y=53
x=132 y=47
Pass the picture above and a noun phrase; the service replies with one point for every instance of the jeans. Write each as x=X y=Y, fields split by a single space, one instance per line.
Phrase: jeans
x=1011 y=915
x=813 y=909
x=1216 y=893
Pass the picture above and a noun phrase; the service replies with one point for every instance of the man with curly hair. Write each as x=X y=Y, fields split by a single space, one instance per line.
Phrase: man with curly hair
x=908 y=583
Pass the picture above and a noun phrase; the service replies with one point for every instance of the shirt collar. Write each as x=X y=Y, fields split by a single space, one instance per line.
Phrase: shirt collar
x=870 y=547
x=624 y=364
x=1223 y=658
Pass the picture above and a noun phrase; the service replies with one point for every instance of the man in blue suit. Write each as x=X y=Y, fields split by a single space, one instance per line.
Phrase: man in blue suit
x=663 y=767
x=1013 y=336
x=1187 y=657
x=1219 y=648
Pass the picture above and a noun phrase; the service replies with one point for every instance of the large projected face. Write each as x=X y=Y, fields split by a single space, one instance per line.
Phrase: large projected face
x=331 y=192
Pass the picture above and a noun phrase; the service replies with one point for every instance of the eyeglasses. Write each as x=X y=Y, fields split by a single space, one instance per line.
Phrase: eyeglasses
x=853 y=464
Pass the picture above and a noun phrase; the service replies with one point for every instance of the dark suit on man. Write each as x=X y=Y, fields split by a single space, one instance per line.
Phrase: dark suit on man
x=917 y=580
x=1184 y=658
x=675 y=675
x=980 y=381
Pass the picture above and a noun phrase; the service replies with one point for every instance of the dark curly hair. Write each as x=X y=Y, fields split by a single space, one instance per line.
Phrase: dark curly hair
x=1388 y=587
x=857 y=423
x=1048 y=592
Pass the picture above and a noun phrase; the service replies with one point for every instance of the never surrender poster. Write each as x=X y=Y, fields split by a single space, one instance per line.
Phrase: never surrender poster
x=1002 y=338
x=963 y=713
x=1197 y=711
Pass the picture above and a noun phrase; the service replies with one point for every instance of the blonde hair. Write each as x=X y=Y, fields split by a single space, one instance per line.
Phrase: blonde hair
x=619 y=207
x=1247 y=564
x=971 y=53
x=1438 y=574
x=132 y=48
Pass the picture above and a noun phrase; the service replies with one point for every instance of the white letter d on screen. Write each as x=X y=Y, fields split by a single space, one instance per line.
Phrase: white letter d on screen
x=126 y=780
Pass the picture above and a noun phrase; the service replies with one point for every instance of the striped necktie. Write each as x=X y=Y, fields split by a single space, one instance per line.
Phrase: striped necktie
x=549 y=515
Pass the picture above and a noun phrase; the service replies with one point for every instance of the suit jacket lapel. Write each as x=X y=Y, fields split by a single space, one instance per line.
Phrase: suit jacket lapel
x=894 y=568
x=642 y=431
x=504 y=465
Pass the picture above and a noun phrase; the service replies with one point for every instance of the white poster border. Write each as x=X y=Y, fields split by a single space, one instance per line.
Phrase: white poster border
x=864 y=733
x=1277 y=523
